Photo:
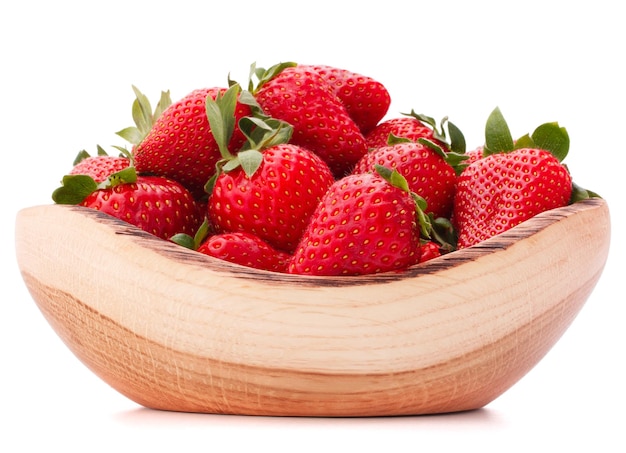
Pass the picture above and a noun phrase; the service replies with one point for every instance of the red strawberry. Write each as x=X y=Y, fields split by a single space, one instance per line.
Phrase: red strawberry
x=301 y=97
x=363 y=225
x=367 y=100
x=98 y=167
x=180 y=145
x=245 y=249
x=155 y=204
x=276 y=201
x=270 y=187
x=426 y=171
x=508 y=186
x=428 y=251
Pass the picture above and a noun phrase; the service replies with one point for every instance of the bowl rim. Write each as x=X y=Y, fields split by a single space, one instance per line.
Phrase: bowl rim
x=447 y=261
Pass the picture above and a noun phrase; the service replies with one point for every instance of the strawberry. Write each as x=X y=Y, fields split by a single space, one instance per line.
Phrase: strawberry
x=100 y=166
x=426 y=170
x=428 y=251
x=180 y=144
x=512 y=182
x=366 y=100
x=276 y=201
x=321 y=123
x=270 y=187
x=155 y=204
x=245 y=249
x=364 y=224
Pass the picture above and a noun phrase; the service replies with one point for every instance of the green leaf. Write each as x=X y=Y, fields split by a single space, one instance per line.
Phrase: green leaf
x=143 y=117
x=444 y=233
x=498 y=137
x=393 y=177
x=457 y=161
x=221 y=115
x=230 y=164
x=131 y=134
x=263 y=133
x=429 y=120
x=74 y=189
x=127 y=175
x=82 y=155
x=264 y=75
x=394 y=139
x=193 y=243
x=164 y=102
x=553 y=138
x=580 y=193
x=142 y=111
x=524 y=141
x=434 y=146
x=457 y=139
x=250 y=161
x=247 y=98
x=124 y=152
x=184 y=240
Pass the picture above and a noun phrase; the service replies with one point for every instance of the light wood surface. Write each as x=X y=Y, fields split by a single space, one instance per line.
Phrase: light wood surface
x=176 y=330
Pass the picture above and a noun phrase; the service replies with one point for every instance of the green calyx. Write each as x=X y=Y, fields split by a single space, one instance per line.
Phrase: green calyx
x=100 y=151
x=548 y=136
x=453 y=151
x=261 y=132
x=143 y=116
x=263 y=75
x=454 y=138
x=193 y=242
x=75 y=188
x=439 y=230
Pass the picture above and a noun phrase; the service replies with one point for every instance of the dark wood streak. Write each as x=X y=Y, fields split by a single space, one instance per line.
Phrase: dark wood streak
x=449 y=261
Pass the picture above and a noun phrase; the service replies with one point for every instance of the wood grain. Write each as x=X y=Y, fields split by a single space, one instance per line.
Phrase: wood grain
x=176 y=330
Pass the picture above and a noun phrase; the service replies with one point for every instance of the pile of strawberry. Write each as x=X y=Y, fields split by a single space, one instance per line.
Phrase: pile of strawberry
x=300 y=172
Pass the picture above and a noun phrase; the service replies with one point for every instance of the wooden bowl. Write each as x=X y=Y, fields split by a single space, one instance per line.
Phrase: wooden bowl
x=176 y=330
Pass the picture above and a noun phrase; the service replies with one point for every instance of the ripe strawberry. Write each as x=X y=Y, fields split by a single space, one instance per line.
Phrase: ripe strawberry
x=99 y=167
x=427 y=172
x=276 y=201
x=363 y=225
x=155 y=204
x=510 y=185
x=366 y=100
x=428 y=251
x=301 y=97
x=245 y=249
x=270 y=187
x=180 y=145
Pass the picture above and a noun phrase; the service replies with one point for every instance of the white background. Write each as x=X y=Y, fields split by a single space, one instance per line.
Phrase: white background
x=66 y=72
